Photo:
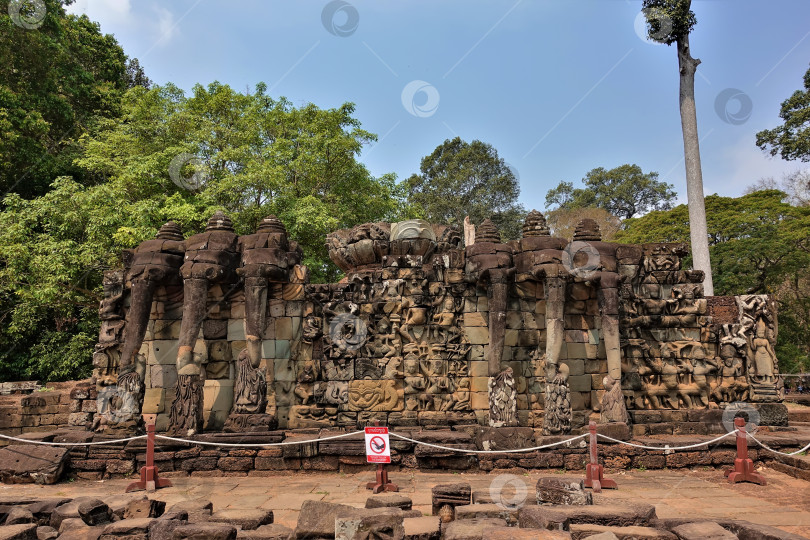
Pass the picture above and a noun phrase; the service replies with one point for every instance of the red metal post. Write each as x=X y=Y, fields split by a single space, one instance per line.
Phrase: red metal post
x=593 y=471
x=743 y=470
x=150 y=481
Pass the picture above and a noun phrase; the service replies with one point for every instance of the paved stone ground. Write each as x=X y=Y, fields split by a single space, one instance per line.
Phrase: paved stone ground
x=784 y=502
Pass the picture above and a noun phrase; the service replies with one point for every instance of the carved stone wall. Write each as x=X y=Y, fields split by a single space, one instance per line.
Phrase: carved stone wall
x=425 y=331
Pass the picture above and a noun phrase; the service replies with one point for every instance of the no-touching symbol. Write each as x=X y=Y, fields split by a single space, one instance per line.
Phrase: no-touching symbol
x=377 y=445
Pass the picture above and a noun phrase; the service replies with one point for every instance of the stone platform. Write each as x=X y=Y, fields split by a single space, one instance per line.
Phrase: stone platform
x=698 y=494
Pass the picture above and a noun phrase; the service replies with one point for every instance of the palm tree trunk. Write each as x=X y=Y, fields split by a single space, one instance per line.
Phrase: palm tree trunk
x=694 y=176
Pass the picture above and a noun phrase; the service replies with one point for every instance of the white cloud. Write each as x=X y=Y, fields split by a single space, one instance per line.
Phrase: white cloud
x=106 y=12
x=165 y=27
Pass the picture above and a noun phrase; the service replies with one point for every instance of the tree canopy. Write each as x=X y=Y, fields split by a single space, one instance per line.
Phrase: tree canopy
x=56 y=82
x=461 y=179
x=250 y=155
x=173 y=157
x=625 y=191
x=563 y=221
x=791 y=140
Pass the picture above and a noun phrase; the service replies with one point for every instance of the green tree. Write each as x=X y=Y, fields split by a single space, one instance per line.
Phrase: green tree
x=791 y=140
x=625 y=192
x=760 y=244
x=671 y=21
x=461 y=179
x=563 y=221
x=56 y=80
x=250 y=155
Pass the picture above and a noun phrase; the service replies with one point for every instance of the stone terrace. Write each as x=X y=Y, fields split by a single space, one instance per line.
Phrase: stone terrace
x=783 y=503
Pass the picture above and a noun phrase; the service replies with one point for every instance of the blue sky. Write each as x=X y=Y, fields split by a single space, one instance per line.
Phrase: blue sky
x=558 y=87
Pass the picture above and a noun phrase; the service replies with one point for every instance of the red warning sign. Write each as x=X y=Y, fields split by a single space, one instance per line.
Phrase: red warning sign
x=378 y=448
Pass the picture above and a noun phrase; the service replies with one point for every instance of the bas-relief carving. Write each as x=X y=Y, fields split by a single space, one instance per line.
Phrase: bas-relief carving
x=557 y=419
x=502 y=400
x=391 y=336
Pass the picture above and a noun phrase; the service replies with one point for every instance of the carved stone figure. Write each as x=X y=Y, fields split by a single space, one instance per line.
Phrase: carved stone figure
x=557 y=420
x=541 y=256
x=490 y=262
x=250 y=398
x=375 y=396
x=613 y=408
x=154 y=262
x=600 y=267
x=211 y=258
x=502 y=400
x=417 y=326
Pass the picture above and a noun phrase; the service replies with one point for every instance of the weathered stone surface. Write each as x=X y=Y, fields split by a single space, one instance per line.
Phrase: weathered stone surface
x=95 y=512
x=706 y=530
x=389 y=500
x=450 y=494
x=772 y=414
x=197 y=509
x=513 y=533
x=317 y=518
x=127 y=528
x=46 y=533
x=369 y=526
x=614 y=515
x=81 y=533
x=19 y=516
x=477 y=511
x=144 y=508
x=470 y=529
x=244 y=518
x=274 y=531
x=69 y=524
x=504 y=438
x=205 y=531
x=588 y=530
x=422 y=528
x=22 y=531
x=565 y=490
x=163 y=528
x=28 y=463
x=67 y=511
x=43 y=509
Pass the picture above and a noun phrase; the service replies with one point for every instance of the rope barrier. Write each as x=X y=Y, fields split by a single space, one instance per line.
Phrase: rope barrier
x=256 y=445
x=667 y=448
x=44 y=443
x=465 y=451
x=769 y=449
